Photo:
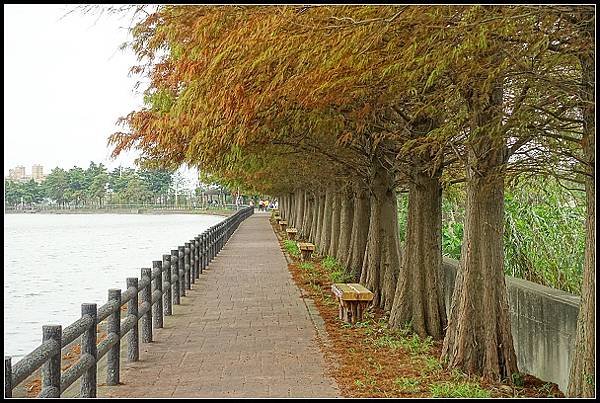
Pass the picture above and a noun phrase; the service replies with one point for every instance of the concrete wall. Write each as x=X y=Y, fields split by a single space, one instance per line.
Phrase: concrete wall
x=543 y=320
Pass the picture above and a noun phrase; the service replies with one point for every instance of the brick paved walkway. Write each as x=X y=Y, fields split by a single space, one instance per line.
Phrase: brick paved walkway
x=242 y=331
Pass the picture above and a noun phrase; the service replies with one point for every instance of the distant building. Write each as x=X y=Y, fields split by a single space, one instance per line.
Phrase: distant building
x=37 y=173
x=18 y=174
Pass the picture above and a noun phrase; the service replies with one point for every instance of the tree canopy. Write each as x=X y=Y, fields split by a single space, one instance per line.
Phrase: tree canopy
x=336 y=108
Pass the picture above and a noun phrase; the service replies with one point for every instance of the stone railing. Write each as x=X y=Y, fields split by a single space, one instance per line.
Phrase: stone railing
x=147 y=299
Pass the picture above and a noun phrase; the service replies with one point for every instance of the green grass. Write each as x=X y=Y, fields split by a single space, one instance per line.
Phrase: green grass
x=407 y=385
x=428 y=364
x=335 y=270
x=306 y=266
x=368 y=319
x=329 y=263
x=291 y=247
x=381 y=336
x=329 y=300
x=449 y=389
x=416 y=345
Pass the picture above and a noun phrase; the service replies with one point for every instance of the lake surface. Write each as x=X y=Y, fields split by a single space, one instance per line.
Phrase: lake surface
x=54 y=263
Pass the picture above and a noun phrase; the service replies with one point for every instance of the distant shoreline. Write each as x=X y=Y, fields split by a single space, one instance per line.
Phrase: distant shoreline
x=149 y=211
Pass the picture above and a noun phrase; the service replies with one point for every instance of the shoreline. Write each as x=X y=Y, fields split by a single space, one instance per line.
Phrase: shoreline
x=219 y=212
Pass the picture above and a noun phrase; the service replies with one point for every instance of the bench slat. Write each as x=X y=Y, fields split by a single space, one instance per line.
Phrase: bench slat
x=364 y=294
x=351 y=292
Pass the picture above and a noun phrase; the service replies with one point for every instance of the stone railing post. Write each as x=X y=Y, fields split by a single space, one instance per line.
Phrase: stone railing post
x=147 y=297
x=181 y=271
x=192 y=262
x=88 y=346
x=157 y=309
x=7 y=377
x=221 y=236
x=175 y=272
x=133 y=337
x=113 y=325
x=197 y=255
x=51 y=368
x=167 y=301
x=211 y=254
x=188 y=283
x=204 y=238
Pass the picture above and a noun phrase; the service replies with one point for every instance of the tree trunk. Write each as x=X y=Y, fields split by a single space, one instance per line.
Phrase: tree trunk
x=314 y=216
x=381 y=263
x=326 y=223
x=309 y=208
x=281 y=206
x=319 y=218
x=299 y=216
x=359 y=233
x=419 y=295
x=346 y=213
x=583 y=366
x=290 y=207
x=335 y=224
x=292 y=200
x=478 y=338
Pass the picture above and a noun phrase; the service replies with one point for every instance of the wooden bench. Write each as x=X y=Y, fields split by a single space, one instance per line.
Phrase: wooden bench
x=353 y=299
x=291 y=233
x=306 y=249
x=277 y=219
x=282 y=224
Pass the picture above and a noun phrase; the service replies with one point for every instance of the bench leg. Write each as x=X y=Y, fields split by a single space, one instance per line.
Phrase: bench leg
x=354 y=311
x=346 y=313
x=359 y=311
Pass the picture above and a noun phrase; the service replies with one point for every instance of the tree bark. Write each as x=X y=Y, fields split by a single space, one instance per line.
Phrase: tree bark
x=359 y=233
x=347 y=210
x=282 y=210
x=309 y=209
x=419 y=294
x=292 y=221
x=381 y=263
x=583 y=364
x=326 y=223
x=302 y=214
x=335 y=224
x=478 y=338
x=299 y=202
x=319 y=221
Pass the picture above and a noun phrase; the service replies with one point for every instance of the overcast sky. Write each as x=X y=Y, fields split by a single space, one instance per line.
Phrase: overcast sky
x=66 y=82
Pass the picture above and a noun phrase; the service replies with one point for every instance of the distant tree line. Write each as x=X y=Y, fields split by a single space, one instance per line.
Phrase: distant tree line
x=96 y=186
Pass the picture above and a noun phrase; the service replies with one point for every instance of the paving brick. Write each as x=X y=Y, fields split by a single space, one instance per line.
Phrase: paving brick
x=242 y=331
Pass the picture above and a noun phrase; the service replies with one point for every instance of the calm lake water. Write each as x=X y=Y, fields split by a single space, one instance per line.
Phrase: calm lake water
x=54 y=263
